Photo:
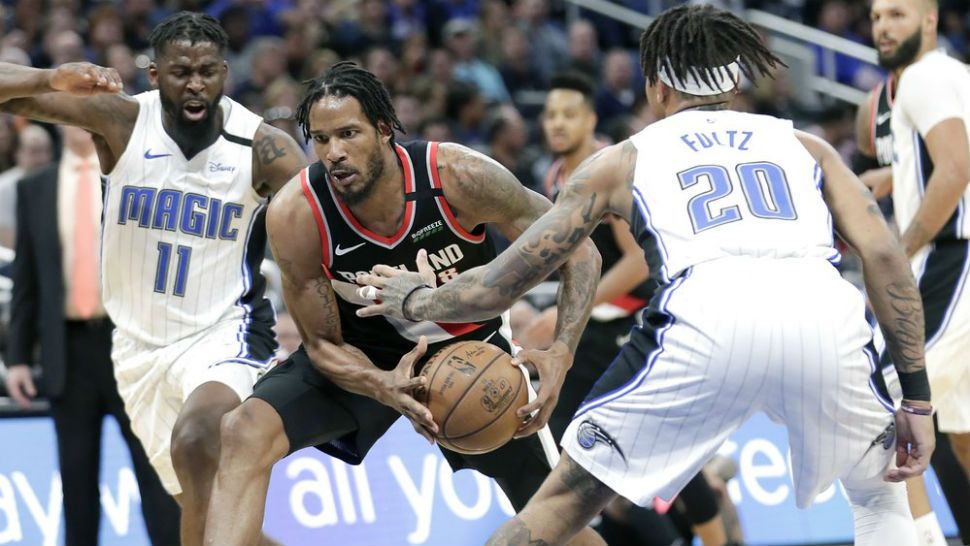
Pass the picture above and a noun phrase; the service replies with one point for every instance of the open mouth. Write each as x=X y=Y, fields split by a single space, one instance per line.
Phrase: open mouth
x=343 y=177
x=194 y=110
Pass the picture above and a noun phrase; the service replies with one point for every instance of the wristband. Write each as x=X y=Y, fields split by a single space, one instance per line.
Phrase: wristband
x=404 y=302
x=915 y=410
x=915 y=385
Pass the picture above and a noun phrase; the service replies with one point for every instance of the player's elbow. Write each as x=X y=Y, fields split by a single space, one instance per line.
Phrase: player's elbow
x=882 y=253
x=587 y=254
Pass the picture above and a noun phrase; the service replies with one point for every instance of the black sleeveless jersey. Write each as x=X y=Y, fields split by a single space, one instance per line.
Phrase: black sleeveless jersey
x=880 y=130
x=350 y=248
x=605 y=243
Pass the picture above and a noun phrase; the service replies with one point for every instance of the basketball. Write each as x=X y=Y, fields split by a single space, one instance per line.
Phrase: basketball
x=473 y=392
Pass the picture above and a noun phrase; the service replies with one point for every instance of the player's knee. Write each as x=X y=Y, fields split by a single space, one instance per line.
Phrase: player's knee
x=252 y=437
x=195 y=444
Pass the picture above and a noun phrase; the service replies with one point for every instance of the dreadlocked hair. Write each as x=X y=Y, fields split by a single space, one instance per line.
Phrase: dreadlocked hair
x=188 y=26
x=347 y=79
x=693 y=39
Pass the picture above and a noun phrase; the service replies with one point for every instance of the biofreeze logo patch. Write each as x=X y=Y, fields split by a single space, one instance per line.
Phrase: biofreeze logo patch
x=427 y=231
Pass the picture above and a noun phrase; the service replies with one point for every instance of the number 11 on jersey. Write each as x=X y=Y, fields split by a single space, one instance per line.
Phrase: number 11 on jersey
x=161 y=273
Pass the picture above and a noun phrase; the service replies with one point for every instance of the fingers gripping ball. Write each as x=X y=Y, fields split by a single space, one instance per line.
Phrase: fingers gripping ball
x=473 y=392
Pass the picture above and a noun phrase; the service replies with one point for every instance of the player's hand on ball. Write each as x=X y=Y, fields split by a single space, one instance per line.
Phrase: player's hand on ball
x=398 y=391
x=388 y=286
x=85 y=79
x=552 y=365
x=915 y=441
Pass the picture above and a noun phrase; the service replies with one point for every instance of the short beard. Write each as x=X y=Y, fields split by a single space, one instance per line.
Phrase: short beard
x=375 y=168
x=185 y=128
x=905 y=54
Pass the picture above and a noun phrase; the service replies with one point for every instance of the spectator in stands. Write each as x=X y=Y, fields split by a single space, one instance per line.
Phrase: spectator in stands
x=104 y=30
x=435 y=129
x=615 y=96
x=493 y=19
x=34 y=152
x=268 y=62
x=508 y=143
x=370 y=29
x=407 y=18
x=518 y=70
x=120 y=58
x=549 y=46
x=460 y=38
x=465 y=108
x=584 y=50
x=383 y=64
x=408 y=109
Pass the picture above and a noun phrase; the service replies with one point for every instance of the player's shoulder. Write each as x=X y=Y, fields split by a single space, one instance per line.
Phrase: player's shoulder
x=932 y=70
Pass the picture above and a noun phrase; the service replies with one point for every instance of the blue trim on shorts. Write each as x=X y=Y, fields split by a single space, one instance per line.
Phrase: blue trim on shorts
x=635 y=382
x=874 y=369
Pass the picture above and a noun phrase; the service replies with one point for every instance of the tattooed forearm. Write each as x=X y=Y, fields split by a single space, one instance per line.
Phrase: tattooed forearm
x=514 y=533
x=905 y=333
x=577 y=290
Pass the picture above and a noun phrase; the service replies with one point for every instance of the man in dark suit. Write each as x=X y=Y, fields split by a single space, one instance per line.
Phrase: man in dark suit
x=57 y=305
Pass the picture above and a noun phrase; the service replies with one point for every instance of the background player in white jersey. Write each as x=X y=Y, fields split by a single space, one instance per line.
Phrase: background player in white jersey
x=734 y=218
x=930 y=172
x=188 y=173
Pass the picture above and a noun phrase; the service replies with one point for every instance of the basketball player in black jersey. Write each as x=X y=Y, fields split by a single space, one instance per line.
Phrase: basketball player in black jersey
x=371 y=200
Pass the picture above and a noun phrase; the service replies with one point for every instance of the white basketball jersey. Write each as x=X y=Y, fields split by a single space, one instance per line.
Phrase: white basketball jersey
x=931 y=90
x=716 y=184
x=183 y=239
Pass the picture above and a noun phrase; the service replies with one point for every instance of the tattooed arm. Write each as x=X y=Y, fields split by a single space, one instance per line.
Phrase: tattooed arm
x=276 y=159
x=480 y=190
x=312 y=303
x=894 y=296
x=889 y=281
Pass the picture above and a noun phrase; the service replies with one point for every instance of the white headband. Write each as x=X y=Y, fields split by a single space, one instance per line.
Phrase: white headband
x=723 y=79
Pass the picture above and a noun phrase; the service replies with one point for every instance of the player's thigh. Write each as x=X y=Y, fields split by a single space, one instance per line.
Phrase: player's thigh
x=825 y=384
x=152 y=399
x=672 y=396
x=315 y=412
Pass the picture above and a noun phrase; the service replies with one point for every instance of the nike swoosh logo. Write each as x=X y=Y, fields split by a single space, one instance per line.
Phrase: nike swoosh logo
x=881 y=118
x=149 y=155
x=341 y=251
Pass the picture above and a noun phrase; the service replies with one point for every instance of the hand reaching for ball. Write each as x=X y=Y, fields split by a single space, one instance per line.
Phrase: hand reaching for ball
x=398 y=387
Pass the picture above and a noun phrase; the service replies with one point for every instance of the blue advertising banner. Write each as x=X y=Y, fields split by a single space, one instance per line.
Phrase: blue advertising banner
x=404 y=494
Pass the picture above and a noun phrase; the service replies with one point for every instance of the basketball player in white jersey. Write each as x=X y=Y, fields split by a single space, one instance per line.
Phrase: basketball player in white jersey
x=930 y=175
x=735 y=213
x=188 y=173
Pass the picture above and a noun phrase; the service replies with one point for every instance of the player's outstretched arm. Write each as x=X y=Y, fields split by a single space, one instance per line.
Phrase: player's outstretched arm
x=894 y=295
x=81 y=94
x=312 y=303
x=277 y=158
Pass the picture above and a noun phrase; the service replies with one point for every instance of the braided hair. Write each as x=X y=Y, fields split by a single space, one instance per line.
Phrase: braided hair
x=347 y=79
x=690 y=40
x=189 y=26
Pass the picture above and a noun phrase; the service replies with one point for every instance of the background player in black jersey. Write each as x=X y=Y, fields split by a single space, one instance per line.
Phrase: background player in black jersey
x=370 y=200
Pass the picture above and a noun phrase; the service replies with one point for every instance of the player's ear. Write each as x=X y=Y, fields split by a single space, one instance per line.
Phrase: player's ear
x=153 y=74
x=384 y=132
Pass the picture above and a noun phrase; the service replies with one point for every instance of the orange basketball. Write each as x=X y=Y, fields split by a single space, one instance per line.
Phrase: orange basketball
x=473 y=392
